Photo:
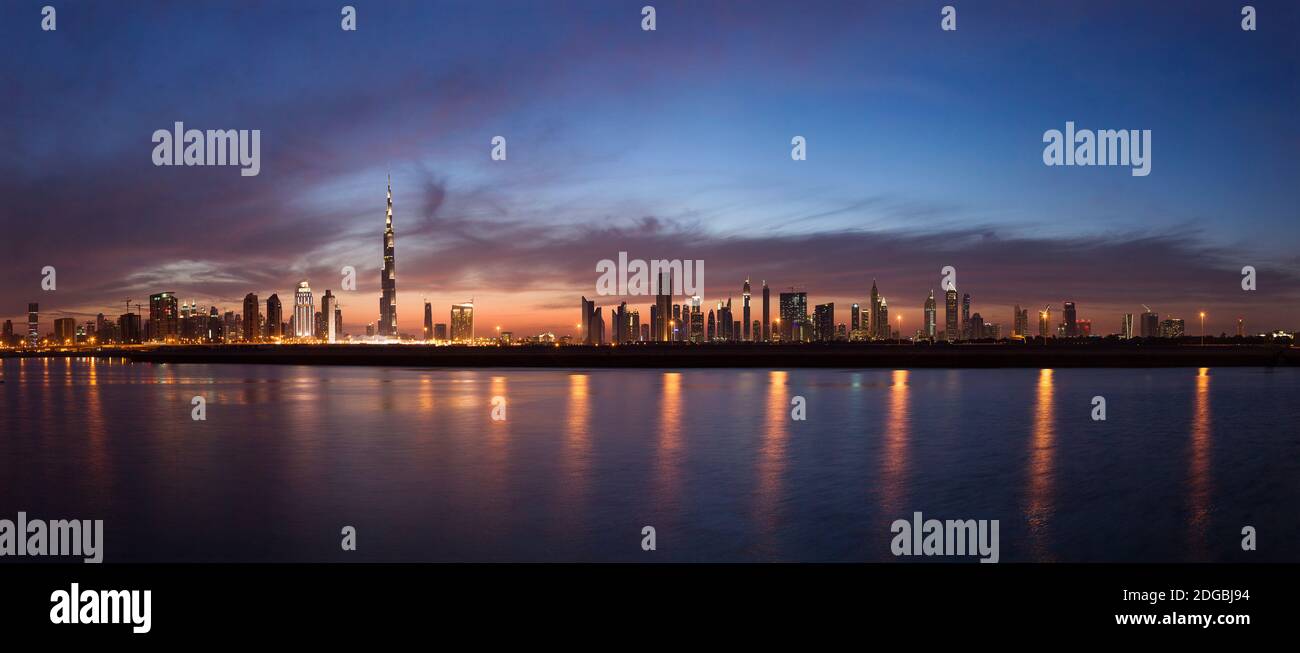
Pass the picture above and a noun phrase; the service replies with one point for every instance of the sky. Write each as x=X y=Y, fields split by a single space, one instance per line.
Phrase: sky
x=924 y=150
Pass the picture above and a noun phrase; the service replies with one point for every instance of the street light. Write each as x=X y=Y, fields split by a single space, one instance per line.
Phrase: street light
x=900 y=329
x=1202 y=328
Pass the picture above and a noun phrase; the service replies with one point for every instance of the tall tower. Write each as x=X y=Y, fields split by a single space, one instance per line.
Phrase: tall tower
x=745 y=326
x=930 y=311
x=388 y=301
x=874 y=325
x=304 y=309
x=767 y=323
x=950 y=315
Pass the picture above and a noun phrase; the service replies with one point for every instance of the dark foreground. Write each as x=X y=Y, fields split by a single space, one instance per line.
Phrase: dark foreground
x=830 y=355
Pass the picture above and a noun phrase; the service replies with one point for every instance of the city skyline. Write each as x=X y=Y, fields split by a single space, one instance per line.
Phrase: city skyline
x=895 y=187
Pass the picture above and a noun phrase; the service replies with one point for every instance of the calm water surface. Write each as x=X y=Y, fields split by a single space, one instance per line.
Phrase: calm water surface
x=710 y=458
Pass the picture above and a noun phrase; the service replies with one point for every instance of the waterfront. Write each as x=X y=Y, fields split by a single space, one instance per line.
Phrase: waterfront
x=711 y=458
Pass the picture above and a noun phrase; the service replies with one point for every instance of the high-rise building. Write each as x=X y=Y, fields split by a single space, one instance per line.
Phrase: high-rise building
x=976 y=327
x=1172 y=328
x=767 y=322
x=794 y=312
x=1149 y=325
x=428 y=320
x=931 y=318
x=440 y=332
x=329 y=309
x=65 y=331
x=588 y=315
x=965 y=318
x=128 y=326
x=697 y=319
x=164 y=316
x=1044 y=323
x=7 y=335
x=874 y=315
x=252 y=318
x=213 y=331
x=713 y=331
x=884 y=319
x=388 y=280
x=1071 y=320
x=33 y=324
x=1126 y=326
x=274 y=316
x=745 y=311
x=663 y=306
x=951 y=330
x=304 y=312
x=462 y=322
x=100 y=325
x=824 y=322
x=1020 y=326
x=855 y=311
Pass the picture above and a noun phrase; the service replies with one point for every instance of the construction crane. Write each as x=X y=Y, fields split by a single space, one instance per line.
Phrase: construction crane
x=1146 y=308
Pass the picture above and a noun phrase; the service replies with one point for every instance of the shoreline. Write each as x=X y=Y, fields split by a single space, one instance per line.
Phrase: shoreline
x=680 y=356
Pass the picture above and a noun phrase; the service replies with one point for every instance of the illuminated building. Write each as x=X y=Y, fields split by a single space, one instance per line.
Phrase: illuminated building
x=965 y=317
x=794 y=312
x=929 y=330
x=388 y=280
x=65 y=331
x=440 y=332
x=304 y=312
x=1172 y=328
x=428 y=320
x=1020 y=325
x=33 y=324
x=1071 y=320
x=873 y=321
x=164 y=317
x=1149 y=326
x=462 y=322
x=745 y=312
x=274 y=315
x=252 y=319
x=951 y=328
x=332 y=316
x=1126 y=326
x=824 y=322
x=767 y=323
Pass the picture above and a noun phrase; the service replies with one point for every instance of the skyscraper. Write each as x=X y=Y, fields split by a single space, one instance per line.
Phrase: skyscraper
x=251 y=319
x=1071 y=320
x=767 y=323
x=824 y=322
x=884 y=319
x=697 y=319
x=65 y=331
x=588 y=317
x=462 y=322
x=164 y=316
x=873 y=325
x=794 y=312
x=33 y=324
x=428 y=320
x=663 y=306
x=1020 y=325
x=1126 y=326
x=1149 y=325
x=951 y=328
x=930 y=317
x=329 y=308
x=304 y=312
x=388 y=280
x=966 y=331
x=745 y=325
x=274 y=316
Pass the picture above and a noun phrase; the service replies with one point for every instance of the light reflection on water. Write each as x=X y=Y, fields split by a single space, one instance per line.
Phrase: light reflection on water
x=711 y=458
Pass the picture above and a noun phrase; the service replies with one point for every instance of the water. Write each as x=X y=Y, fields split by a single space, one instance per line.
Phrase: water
x=710 y=458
